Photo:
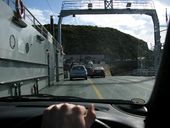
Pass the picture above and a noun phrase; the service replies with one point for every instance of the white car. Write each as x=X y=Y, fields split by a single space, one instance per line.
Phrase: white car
x=78 y=71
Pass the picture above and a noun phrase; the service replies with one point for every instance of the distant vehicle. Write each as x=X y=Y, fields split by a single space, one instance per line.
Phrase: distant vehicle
x=98 y=72
x=90 y=63
x=78 y=71
x=89 y=70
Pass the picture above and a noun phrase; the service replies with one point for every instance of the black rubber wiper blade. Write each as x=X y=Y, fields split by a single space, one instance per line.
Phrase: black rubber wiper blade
x=48 y=96
x=40 y=97
x=12 y=98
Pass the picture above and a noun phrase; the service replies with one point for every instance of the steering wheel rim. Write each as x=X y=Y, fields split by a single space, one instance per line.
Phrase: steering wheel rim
x=31 y=121
x=101 y=123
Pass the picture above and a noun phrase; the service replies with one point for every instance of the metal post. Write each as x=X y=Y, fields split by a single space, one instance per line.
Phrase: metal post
x=52 y=25
x=157 y=48
x=36 y=86
x=59 y=30
x=34 y=89
x=48 y=62
x=15 y=90
x=19 y=89
x=57 y=70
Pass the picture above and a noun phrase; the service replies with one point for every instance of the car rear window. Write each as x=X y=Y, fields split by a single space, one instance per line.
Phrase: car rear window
x=78 y=68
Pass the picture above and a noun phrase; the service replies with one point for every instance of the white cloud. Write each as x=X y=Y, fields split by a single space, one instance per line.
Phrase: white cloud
x=39 y=14
x=43 y=16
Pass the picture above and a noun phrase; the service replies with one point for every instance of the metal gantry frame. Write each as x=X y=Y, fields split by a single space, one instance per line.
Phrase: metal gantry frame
x=114 y=7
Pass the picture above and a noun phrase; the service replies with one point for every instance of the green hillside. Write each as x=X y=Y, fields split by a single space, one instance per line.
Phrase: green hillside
x=106 y=41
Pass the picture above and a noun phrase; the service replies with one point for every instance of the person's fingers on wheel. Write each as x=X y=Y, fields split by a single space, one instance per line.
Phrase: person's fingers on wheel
x=47 y=112
x=64 y=108
x=78 y=116
x=47 y=117
x=90 y=117
x=50 y=107
x=79 y=110
x=59 y=105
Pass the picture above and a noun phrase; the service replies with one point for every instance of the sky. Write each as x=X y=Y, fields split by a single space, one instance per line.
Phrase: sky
x=140 y=26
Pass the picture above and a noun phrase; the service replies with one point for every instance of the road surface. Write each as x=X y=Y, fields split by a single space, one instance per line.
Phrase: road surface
x=110 y=87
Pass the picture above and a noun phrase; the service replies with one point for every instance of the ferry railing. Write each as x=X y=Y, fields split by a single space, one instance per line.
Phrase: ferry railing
x=16 y=85
x=30 y=19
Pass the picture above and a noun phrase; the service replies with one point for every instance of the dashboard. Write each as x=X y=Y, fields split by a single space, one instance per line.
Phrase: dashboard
x=29 y=114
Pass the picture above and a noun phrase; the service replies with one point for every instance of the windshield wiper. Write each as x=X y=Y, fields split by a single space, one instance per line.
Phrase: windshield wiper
x=39 y=97
x=48 y=97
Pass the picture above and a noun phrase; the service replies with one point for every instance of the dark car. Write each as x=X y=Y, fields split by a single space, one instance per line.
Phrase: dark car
x=98 y=72
x=89 y=70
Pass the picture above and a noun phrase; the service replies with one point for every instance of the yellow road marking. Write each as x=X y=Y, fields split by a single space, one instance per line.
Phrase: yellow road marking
x=98 y=93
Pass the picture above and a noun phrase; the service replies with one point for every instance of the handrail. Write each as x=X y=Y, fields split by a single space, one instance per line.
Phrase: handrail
x=30 y=18
x=22 y=80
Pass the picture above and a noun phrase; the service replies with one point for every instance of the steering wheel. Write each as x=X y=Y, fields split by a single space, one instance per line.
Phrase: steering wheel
x=100 y=124
x=36 y=122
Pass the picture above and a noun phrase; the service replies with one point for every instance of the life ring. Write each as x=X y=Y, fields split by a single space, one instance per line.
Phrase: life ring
x=20 y=8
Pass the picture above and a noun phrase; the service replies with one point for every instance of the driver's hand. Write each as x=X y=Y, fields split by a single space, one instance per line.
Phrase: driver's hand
x=68 y=116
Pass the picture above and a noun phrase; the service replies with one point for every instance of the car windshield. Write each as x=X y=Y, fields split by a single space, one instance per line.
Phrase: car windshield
x=43 y=41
